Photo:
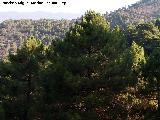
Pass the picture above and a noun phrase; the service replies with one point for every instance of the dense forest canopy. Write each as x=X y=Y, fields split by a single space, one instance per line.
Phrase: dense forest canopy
x=93 y=73
x=85 y=69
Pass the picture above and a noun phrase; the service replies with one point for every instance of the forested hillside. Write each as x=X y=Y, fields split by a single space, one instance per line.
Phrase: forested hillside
x=142 y=11
x=14 y=32
x=94 y=68
x=94 y=73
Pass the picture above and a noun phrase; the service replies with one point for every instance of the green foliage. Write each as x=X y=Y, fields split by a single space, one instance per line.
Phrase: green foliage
x=20 y=78
x=94 y=73
x=138 y=57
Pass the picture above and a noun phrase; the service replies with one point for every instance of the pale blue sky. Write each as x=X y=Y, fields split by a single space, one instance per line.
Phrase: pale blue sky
x=72 y=6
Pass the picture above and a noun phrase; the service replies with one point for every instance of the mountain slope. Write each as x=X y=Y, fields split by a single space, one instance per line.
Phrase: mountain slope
x=14 y=32
x=142 y=11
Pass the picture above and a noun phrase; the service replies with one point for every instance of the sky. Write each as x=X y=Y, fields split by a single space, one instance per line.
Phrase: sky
x=71 y=6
